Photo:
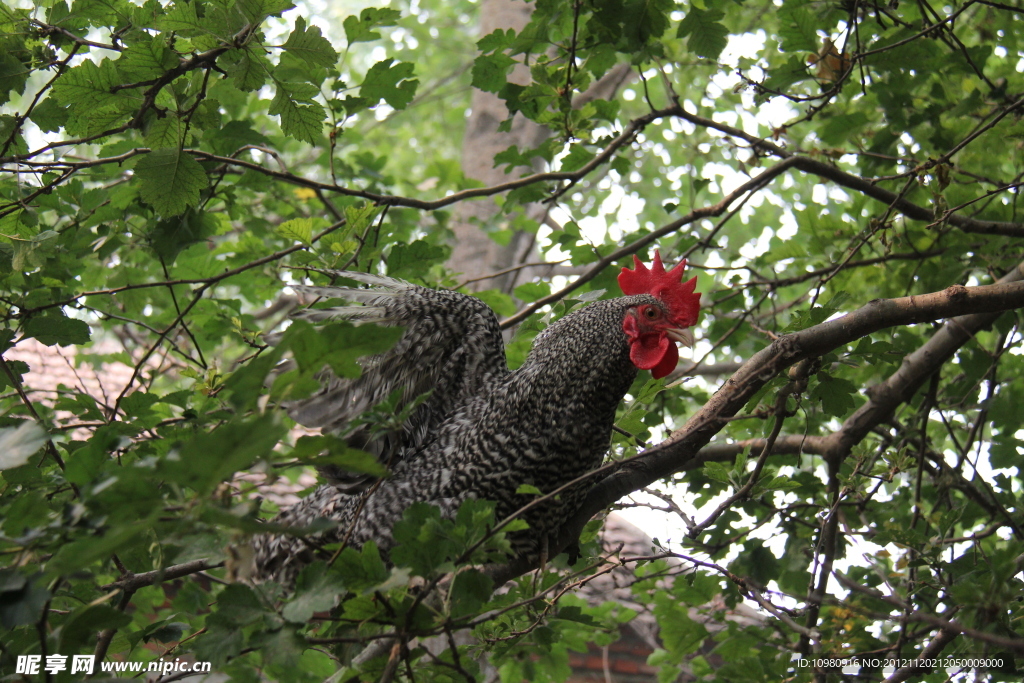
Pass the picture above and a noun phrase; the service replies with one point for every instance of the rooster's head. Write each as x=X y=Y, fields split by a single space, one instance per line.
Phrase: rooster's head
x=652 y=328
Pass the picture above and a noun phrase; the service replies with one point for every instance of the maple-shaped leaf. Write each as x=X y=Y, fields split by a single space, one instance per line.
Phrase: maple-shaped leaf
x=248 y=68
x=309 y=45
x=391 y=83
x=300 y=119
x=360 y=29
x=490 y=71
x=57 y=328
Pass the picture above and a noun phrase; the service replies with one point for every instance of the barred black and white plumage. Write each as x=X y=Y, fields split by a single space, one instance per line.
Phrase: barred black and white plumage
x=483 y=431
x=452 y=348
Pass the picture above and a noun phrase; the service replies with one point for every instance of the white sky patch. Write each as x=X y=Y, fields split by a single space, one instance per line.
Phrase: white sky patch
x=713 y=260
x=821 y=194
x=752 y=250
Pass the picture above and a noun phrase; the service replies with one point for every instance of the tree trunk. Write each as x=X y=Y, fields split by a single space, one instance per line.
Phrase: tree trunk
x=475 y=254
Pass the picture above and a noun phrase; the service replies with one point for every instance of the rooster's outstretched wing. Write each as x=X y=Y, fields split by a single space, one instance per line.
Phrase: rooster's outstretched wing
x=452 y=348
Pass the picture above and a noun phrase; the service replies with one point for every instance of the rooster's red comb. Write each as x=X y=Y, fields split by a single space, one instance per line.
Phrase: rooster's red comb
x=667 y=286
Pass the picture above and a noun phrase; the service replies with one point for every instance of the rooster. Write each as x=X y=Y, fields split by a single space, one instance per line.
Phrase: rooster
x=481 y=431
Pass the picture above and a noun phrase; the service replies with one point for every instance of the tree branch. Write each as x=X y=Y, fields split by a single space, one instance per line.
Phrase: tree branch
x=931 y=651
x=133 y=582
x=1013 y=644
x=682 y=450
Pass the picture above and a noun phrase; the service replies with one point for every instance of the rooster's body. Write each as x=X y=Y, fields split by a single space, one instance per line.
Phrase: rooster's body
x=483 y=431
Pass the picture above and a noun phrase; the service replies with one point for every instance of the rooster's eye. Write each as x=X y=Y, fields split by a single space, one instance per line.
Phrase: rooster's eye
x=651 y=313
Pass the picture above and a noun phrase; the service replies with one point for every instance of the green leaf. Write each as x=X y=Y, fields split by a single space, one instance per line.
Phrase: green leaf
x=531 y=291
x=88 y=87
x=836 y=130
x=1006 y=451
x=363 y=570
x=255 y=11
x=359 y=29
x=170 y=180
x=18 y=369
x=470 y=590
x=782 y=76
x=680 y=634
x=300 y=119
x=490 y=72
x=219 y=643
x=632 y=24
x=237 y=444
x=578 y=157
x=309 y=45
x=498 y=39
x=247 y=68
x=18 y=444
x=836 y=394
x=85 y=122
x=298 y=229
x=415 y=260
x=57 y=329
x=166 y=132
x=22 y=599
x=239 y=605
x=708 y=37
x=85 y=624
x=358 y=216
x=424 y=543
x=170 y=236
x=317 y=589
x=339 y=345
x=146 y=59
x=797 y=28
x=330 y=450
x=164 y=631
x=283 y=647
x=717 y=471
x=99 y=12
x=88 y=549
x=49 y=115
x=391 y=82
x=182 y=19
x=139 y=403
x=13 y=76
x=529 y=489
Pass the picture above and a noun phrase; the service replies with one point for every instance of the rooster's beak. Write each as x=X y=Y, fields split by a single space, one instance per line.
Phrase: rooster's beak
x=683 y=336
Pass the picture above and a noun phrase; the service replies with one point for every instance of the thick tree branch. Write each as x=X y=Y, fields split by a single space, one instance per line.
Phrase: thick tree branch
x=915 y=370
x=133 y=582
x=919 y=667
x=680 y=451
